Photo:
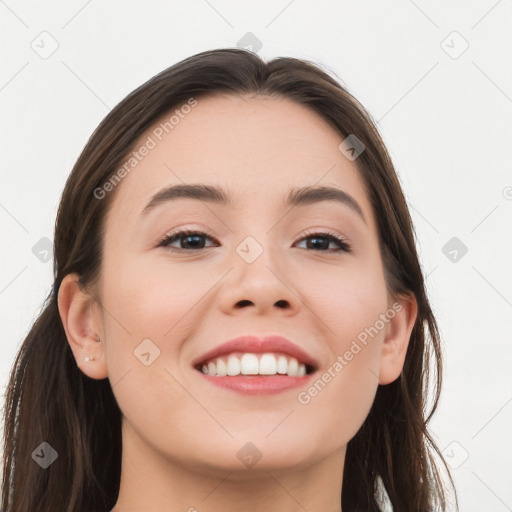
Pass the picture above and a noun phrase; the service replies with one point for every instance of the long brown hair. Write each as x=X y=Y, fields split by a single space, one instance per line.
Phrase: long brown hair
x=50 y=400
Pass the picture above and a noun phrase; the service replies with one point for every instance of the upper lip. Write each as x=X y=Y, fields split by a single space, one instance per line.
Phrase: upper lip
x=255 y=344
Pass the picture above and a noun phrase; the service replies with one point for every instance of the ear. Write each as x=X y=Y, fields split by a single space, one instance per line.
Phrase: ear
x=398 y=335
x=80 y=320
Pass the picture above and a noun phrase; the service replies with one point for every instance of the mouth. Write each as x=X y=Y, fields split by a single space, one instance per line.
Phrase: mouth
x=257 y=365
x=252 y=364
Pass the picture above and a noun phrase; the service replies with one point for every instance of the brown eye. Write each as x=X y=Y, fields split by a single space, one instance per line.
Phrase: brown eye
x=320 y=242
x=189 y=240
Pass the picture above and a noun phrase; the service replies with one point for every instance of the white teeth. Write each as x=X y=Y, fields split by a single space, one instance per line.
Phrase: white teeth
x=254 y=364
x=268 y=365
x=293 y=368
x=249 y=364
x=233 y=366
x=282 y=365
x=222 y=369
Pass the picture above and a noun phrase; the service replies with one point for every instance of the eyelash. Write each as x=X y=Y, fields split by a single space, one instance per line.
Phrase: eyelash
x=171 y=237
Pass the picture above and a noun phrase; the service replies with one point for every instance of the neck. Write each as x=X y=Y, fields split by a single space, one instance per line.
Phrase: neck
x=152 y=482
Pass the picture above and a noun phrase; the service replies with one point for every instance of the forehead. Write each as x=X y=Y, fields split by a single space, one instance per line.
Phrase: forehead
x=253 y=146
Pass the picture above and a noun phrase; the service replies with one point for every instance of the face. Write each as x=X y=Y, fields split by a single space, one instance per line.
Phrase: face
x=255 y=266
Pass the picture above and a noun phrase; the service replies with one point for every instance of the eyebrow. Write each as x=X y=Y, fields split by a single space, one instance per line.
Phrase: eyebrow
x=213 y=194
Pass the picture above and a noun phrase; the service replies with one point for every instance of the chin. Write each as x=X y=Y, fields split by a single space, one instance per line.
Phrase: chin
x=253 y=455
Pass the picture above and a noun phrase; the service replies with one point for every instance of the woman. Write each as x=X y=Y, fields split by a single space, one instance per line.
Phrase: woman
x=238 y=319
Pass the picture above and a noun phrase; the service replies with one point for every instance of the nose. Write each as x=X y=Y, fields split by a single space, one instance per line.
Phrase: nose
x=263 y=286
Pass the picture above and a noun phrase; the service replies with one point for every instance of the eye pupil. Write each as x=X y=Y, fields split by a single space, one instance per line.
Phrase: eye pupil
x=193 y=237
x=324 y=242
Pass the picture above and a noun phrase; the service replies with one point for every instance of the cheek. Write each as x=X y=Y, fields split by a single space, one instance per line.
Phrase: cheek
x=154 y=300
x=149 y=313
x=152 y=314
x=342 y=394
x=340 y=400
x=347 y=299
x=347 y=307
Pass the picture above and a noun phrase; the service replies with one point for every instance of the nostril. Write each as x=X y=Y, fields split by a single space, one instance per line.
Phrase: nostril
x=244 y=302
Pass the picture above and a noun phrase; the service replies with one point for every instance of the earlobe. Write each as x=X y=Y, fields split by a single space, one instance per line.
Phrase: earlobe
x=397 y=338
x=76 y=313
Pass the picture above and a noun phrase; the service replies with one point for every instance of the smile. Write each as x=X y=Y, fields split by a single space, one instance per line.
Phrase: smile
x=255 y=364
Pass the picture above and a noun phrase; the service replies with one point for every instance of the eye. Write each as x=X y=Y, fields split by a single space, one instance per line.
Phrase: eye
x=194 y=241
x=191 y=238
x=322 y=240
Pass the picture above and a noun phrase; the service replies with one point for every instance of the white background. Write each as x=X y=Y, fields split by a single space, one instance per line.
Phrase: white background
x=446 y=119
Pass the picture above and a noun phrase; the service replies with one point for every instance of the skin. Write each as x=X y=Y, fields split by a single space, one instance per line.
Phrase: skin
x=180 y=433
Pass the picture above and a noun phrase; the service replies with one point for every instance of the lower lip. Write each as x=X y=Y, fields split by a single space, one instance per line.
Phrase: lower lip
x=258 y=384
